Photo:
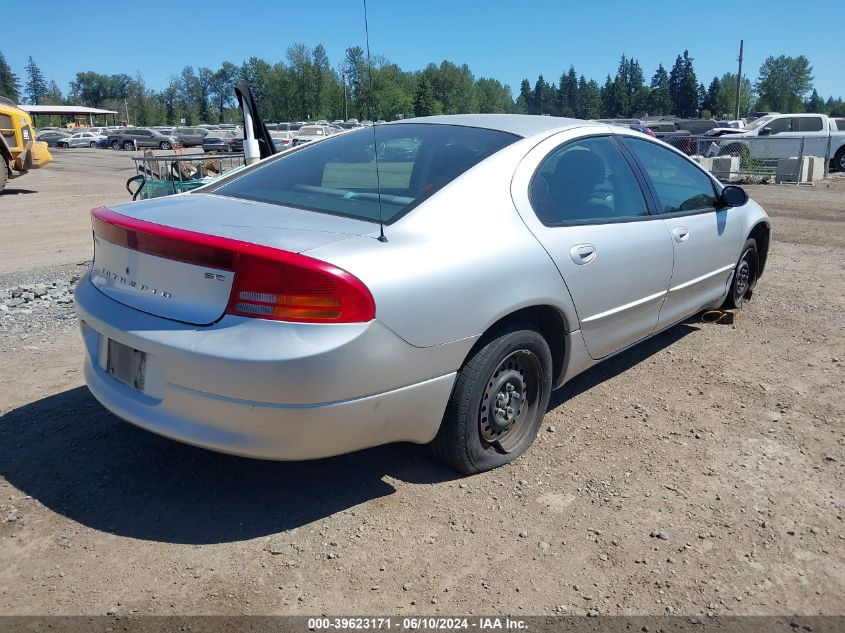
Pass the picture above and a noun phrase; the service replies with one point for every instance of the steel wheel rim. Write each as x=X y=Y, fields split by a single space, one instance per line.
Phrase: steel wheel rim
x=510 y=401
x=746 y=272
x=842 y=162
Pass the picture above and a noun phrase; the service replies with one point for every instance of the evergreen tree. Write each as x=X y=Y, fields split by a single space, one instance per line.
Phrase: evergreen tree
x=700 y=97
x=589 y=95
x=8 y=81
x=424 y=102
x=540 y=103
x=683 y=87
x=36 y=86
x=567 y=94
x=710 y=101
x=815 y=104
x=660 y=99
x=523 y=102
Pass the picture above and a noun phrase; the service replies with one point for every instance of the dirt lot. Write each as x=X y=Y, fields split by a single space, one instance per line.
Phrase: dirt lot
x=701 y=472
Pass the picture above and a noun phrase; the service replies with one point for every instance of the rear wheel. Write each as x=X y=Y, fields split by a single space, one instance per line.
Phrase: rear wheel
x=115 y=144
x=745 y=275
x=128 y=145
x=839 y=160
x=498 y=402
x=60 y=144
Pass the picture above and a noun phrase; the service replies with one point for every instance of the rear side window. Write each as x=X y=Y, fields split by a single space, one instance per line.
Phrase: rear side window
x=680 y=185
x=338 y=175
x=810 y=124
x=587 y=180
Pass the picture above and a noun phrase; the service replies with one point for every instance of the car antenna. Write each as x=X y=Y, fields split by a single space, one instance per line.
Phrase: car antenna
x=381 y=237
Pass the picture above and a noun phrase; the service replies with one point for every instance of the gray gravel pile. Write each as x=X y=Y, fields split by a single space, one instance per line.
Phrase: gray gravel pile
x=37 y=302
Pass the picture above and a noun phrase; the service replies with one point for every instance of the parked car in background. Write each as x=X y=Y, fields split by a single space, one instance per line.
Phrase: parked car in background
x=282 y=143
x=260 y=315
x=812 y=134
x=223 y=141
x=82 y=139
x=190 y=136
x=308 y=133
x=51 y=137
x=130 y=138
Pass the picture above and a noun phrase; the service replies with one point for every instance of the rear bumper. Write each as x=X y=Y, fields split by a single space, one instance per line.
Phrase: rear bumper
x=268 y=390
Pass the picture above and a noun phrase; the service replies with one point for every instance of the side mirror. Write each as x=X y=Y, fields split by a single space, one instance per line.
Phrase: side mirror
x=765 y=131
x=733 y=196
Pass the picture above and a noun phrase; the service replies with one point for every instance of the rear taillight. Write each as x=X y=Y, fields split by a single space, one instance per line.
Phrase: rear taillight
x=274 y=284
x=269 y=283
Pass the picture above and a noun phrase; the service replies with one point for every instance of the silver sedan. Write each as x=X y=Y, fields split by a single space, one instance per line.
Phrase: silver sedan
x=430 y=280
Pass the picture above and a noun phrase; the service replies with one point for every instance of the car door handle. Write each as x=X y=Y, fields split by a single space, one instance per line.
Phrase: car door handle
x=680 y=234
x=582 y=253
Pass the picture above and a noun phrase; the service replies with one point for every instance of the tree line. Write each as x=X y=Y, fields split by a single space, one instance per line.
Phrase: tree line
x=305 y=86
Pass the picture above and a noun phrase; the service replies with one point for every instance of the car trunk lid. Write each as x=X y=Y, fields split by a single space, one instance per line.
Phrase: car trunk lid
x=175 y=257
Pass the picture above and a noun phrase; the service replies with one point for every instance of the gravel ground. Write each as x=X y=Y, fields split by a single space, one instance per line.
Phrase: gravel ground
x=698 y=473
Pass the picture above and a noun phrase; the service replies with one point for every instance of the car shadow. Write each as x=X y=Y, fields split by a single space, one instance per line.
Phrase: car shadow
x=621 y=362
x=13 y=191
x=79 y=460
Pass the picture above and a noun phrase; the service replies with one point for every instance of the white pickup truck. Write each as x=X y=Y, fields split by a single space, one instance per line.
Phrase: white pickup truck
x=822 y=136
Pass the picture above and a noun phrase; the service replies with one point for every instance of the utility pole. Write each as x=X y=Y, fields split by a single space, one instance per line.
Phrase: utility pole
x=126 y=105
x=739 y=80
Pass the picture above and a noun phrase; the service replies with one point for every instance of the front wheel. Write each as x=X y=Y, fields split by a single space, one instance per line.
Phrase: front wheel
x=128 y=145
x=165 y=145
x=115 y=144
x=745 y=275
x=92 y=144
x=498 y=402
x=4 y=174
x=62 y=145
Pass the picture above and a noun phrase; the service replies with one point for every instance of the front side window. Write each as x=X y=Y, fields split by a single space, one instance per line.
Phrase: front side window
x=586 y=180
x=781 y=125
x=338 y=175
x=680 y=185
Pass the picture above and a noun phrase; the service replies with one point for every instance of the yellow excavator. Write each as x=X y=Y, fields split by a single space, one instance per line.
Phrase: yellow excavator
x=19 y=151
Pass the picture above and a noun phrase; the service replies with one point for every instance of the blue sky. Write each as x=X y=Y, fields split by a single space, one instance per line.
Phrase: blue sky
x=504 y=39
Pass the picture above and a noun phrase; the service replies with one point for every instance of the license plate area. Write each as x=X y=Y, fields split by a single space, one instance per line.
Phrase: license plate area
x=127 y=364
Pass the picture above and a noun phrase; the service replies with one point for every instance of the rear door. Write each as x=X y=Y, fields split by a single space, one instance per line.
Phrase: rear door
x=706 y=240
x=594 y=221
x=812 y=129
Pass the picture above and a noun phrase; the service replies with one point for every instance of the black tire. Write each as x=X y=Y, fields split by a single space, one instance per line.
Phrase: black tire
x=513 y=370
x=838 y=163
x=4 y=174
x=61 y=145
x=165 y=145
x=115 y=144
x=93 y=144
x=745 y=275
x=128 y=145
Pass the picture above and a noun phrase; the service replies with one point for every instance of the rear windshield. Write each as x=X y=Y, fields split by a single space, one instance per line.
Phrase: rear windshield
x=338 y=175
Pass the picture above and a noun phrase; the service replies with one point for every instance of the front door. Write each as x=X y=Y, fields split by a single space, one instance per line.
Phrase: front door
x=706 y=240
x=615 y=258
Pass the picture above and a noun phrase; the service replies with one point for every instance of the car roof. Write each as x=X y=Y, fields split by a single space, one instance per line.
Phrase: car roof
x=520 y=124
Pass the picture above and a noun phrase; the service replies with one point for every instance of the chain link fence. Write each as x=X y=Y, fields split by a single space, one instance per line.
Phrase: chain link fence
x=755 y=159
